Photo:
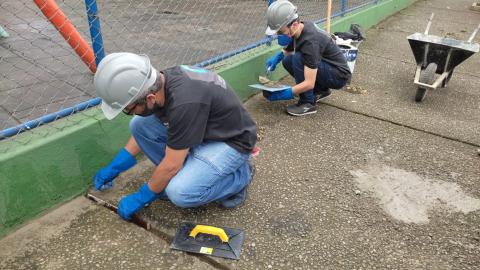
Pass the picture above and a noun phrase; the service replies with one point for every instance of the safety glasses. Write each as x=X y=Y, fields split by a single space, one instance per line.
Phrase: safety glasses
x=129 y=109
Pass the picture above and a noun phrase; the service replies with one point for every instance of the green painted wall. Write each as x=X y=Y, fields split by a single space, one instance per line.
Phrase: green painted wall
x=41 y=169
x=55 y=164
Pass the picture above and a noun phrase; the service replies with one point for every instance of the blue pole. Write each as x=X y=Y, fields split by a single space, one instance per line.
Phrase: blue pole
x=95 y=32
x=344 y=7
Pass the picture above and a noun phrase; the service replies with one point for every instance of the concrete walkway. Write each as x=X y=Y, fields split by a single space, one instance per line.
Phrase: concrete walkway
x=372 y=181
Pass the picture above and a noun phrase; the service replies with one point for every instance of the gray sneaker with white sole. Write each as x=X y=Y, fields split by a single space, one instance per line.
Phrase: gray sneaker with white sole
x=301 y=109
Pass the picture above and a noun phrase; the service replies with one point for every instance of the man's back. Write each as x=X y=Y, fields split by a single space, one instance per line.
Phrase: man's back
x=200 y=106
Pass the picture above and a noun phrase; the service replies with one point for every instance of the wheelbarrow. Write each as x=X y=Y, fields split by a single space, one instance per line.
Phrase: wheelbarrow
x=437 y=55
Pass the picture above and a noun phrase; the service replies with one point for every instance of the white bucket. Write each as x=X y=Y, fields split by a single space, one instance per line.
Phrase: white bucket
x=350 y=52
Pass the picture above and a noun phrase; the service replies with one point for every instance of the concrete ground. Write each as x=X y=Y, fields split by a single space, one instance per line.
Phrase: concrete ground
x=372 y=181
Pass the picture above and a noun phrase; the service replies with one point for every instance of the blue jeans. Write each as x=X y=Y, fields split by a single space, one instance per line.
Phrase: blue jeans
x=212 y=171
x=327 y=77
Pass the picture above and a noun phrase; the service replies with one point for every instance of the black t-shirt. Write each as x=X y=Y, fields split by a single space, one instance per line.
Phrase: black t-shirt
x=315 y=45
x=200 y=106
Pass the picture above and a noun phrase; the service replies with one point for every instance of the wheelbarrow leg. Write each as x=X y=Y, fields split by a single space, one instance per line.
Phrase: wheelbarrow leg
x=447 y=79
x=445 y=69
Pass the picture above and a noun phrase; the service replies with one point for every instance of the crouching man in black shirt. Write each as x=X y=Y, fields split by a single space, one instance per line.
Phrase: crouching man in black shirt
x=188 y=122
x=310 y=56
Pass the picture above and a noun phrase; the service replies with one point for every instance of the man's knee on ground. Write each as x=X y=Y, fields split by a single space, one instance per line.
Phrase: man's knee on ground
x=183 y=196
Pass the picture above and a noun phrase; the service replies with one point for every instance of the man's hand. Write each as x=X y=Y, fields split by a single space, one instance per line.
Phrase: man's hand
x=284 y=94
x=131 y=204
x=122 y=162
x=273 y=61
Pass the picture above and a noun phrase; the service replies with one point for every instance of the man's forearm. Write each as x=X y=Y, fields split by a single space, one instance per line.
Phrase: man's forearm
x=301 y=88
x=308 y=83
x=132 y=147
x=162 y=176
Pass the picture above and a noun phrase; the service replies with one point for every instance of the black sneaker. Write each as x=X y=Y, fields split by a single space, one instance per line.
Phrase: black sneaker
x=253 y=170
x=322 y=95
x=239 y=198
x=301 y=109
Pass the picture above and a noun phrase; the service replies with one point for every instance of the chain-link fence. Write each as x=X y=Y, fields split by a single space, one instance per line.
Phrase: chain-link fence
x=40 y=74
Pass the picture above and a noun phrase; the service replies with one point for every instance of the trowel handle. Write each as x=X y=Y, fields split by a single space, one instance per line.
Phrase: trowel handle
x=209 y=230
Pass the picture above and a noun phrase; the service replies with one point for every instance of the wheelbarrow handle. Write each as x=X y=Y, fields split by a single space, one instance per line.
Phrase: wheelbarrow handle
x=473 y=34
x=429 y=23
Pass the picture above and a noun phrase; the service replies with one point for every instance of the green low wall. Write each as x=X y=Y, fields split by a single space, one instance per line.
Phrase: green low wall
x=41 y=169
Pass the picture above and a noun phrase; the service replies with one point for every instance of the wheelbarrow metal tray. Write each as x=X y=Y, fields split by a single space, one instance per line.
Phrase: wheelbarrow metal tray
x=439 y=48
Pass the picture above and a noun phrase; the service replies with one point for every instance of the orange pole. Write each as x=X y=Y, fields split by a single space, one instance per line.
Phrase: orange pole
x=55 y=15
x=329 y=14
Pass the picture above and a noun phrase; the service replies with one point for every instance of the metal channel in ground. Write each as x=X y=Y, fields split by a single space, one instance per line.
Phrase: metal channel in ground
x=146 y=225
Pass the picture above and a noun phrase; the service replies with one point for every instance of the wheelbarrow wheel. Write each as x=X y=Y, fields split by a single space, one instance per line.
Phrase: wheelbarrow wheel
x=427 y=76
x=420 y=95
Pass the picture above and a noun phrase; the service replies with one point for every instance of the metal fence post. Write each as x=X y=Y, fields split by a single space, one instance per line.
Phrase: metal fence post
x=343 y=7
x=95 y=32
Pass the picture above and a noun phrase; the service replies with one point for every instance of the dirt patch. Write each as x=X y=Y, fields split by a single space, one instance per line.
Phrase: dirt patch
x=409 y=197
x=355 y=89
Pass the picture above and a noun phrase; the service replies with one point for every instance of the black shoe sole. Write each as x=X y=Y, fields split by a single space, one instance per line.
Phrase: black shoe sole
x=253 y=170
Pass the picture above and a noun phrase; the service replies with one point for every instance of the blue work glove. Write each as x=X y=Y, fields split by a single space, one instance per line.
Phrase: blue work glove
x=284 y=94
x=272 y=63
x=122 y=162
x=134 y=202
x=284 y=40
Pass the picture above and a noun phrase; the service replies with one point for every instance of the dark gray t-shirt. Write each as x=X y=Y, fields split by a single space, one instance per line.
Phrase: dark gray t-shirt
x=315 y=45
x=200 y=106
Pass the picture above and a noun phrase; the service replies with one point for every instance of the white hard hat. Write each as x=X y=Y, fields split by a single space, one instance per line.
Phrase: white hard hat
x=279 y=14
x=121 y=79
